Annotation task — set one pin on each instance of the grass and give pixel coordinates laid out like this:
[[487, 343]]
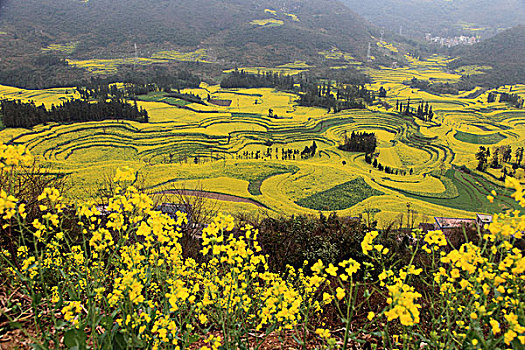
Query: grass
[[340, 197]]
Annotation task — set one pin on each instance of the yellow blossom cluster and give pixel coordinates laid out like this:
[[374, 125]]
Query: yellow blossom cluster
[[127, 266], [12, 156], [435, 240], [7, 205], [402, 301]]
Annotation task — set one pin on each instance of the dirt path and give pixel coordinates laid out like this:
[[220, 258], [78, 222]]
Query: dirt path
[[216, 196]]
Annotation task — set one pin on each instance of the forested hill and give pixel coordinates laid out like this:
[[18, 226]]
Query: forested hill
[[508, 47], [442, 17], [504, 52], [243, 32]]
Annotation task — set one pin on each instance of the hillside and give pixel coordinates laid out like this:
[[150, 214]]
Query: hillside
[[503, 52], [40, 34], [442, 17]]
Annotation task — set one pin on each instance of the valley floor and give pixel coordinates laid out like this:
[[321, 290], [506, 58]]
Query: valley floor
[[237, 151]]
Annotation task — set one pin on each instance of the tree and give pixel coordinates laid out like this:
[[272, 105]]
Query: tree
[[481, 156], [519, 156], [430, 114], [507, 153], [382, 92], [360, 142], [494, 164]]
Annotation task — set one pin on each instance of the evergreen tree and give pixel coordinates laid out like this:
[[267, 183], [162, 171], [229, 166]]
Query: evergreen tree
[[481, 156], [495, 160]]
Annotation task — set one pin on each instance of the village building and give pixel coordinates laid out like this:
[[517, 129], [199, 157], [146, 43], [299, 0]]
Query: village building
[[483, 220], [447, 224]]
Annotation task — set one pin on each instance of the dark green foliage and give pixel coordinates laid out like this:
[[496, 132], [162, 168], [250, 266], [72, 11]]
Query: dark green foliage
[[360, 142], [424, 110], [482, 156], [349, 75], [109, 29], [241, 79], [17, 114], [335, 99], [435, 88], [513, 99], [503, 52], [382, 92], [442, 18], [292, 240]]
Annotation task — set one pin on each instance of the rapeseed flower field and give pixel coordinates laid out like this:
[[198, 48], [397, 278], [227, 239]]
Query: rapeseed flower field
[[121, 280], [188, 144]]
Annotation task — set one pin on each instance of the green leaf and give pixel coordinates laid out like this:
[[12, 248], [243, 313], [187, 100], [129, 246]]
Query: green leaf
[[193, 338], [107, 322], [75, 339], [517, 345], [119, 342], [15, 325]]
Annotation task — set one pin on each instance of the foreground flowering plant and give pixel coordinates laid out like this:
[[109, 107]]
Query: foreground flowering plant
[[119, 279]]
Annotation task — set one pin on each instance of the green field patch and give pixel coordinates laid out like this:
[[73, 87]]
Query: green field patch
[[163, 99], [340, 197], [245, 115], [450, 192], [472, 192], [490, 139], [254, 187], [240, 93]]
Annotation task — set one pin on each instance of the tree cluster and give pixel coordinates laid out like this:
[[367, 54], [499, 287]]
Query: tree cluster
[[382, 92], [242, 79], [360, 142], [513, 99], [281, 153], [138, 83], [309, 152], [498, 158], [464, 84], [17, 114], [335, 99], [435, 88], [424, 110], [190, 97], [369, 159]]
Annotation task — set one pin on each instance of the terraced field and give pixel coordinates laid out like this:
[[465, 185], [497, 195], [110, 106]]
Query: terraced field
[[236, 151]]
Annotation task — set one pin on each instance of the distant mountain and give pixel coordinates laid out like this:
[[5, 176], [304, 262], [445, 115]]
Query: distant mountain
[[504, 52], [442, 17], [235, 32]]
